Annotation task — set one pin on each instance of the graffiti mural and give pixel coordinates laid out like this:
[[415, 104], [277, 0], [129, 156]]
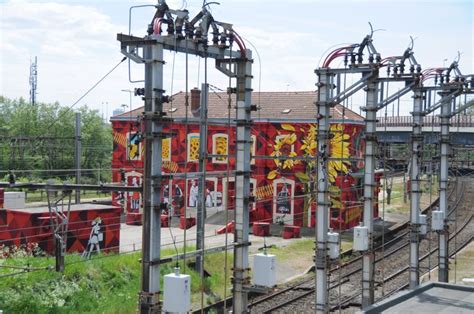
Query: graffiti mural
[[95, 238], [283, 186]]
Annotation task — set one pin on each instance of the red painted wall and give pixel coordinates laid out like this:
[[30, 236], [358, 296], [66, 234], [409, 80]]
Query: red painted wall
[[268, 175], [22, 227]]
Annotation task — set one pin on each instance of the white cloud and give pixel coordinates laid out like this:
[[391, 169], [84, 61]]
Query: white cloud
[[75, 45]]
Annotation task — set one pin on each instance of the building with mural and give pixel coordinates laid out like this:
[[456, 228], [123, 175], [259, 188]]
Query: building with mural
[[283, 126]]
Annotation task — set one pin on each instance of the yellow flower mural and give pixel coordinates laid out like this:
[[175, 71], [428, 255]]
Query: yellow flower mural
[[221, 148], [193, 147], [310, 144], [339, 148], [165, 146], [284, 147]]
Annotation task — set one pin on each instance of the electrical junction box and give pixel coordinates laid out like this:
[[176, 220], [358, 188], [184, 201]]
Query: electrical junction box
[[264, 270], [423, 226], [14, 200], [361, 238], [333, 245], [177, 293], [437, 220]]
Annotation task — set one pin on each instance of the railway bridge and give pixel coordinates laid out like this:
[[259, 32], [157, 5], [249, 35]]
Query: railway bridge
[[398, 129]]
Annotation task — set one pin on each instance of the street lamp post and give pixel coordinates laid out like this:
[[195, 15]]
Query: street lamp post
[[131, 93]]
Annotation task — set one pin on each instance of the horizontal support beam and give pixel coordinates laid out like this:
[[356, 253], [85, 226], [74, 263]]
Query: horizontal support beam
[[180, 45], [66, 187], [193, 254]]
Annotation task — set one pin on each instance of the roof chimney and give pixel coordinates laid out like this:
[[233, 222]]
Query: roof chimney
[[195, 101]]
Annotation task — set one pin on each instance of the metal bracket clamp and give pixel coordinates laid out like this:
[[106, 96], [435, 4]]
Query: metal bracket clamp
[[160, 135], [145, 298], [371, 137], [242, 173], [242, 245], [417, 137], [321, 258], [244, 141], [243, 122], [156, 116]]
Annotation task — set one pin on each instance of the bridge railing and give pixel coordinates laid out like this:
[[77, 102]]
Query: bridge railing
[[428, 121]]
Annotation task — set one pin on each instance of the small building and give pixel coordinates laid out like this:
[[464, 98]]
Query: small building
[[23, 225], [283, 125]]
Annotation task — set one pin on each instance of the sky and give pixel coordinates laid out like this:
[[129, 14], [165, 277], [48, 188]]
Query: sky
[[75, 42]]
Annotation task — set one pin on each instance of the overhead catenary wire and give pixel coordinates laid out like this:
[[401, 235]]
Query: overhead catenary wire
[[87, 92]]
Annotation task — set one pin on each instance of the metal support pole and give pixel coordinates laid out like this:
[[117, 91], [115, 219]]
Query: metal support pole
[[150, 294], [325, 89], [416, 157], [77, 155], [443, 186], [59, 252], [242, 184], [369, 190], [201, 203]]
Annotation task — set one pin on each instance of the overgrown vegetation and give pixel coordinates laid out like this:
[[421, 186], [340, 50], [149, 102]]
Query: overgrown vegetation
[[105, 284], [110, 283]]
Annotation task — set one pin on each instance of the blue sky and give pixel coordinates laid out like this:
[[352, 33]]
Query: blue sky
[[75, 42]]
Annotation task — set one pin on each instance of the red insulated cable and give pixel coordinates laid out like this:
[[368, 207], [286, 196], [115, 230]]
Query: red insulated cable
[[157, 26], [333, 57], [329, 56], [241, 44]]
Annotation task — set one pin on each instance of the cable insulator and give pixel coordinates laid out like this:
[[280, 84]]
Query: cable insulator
[[170, 28], [223, 39], [353, 58], [139, 92], [378, 58]]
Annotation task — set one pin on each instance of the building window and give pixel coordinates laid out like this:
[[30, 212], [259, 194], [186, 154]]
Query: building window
[[166, 149], [193, 147], [220, 146], [253, 149]]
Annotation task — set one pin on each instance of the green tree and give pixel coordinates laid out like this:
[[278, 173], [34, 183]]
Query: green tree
[[40, 137]]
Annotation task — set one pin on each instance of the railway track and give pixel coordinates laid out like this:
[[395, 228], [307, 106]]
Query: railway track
[[345, 279]]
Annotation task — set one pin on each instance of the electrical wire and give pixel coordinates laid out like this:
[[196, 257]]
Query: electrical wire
[[86, 93]]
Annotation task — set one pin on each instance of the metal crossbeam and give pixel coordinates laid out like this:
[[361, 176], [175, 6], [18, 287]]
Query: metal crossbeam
[[67, 186]]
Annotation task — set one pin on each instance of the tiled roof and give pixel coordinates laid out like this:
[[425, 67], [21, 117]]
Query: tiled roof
[[272, 104]]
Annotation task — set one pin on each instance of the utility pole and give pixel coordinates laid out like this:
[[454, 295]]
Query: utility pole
[[77, 155], [33, 81], [416, 157], [152, 179], [242, 183], [369, 189], [325, 89], [443, 186], [185, 35], [201, 203]]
